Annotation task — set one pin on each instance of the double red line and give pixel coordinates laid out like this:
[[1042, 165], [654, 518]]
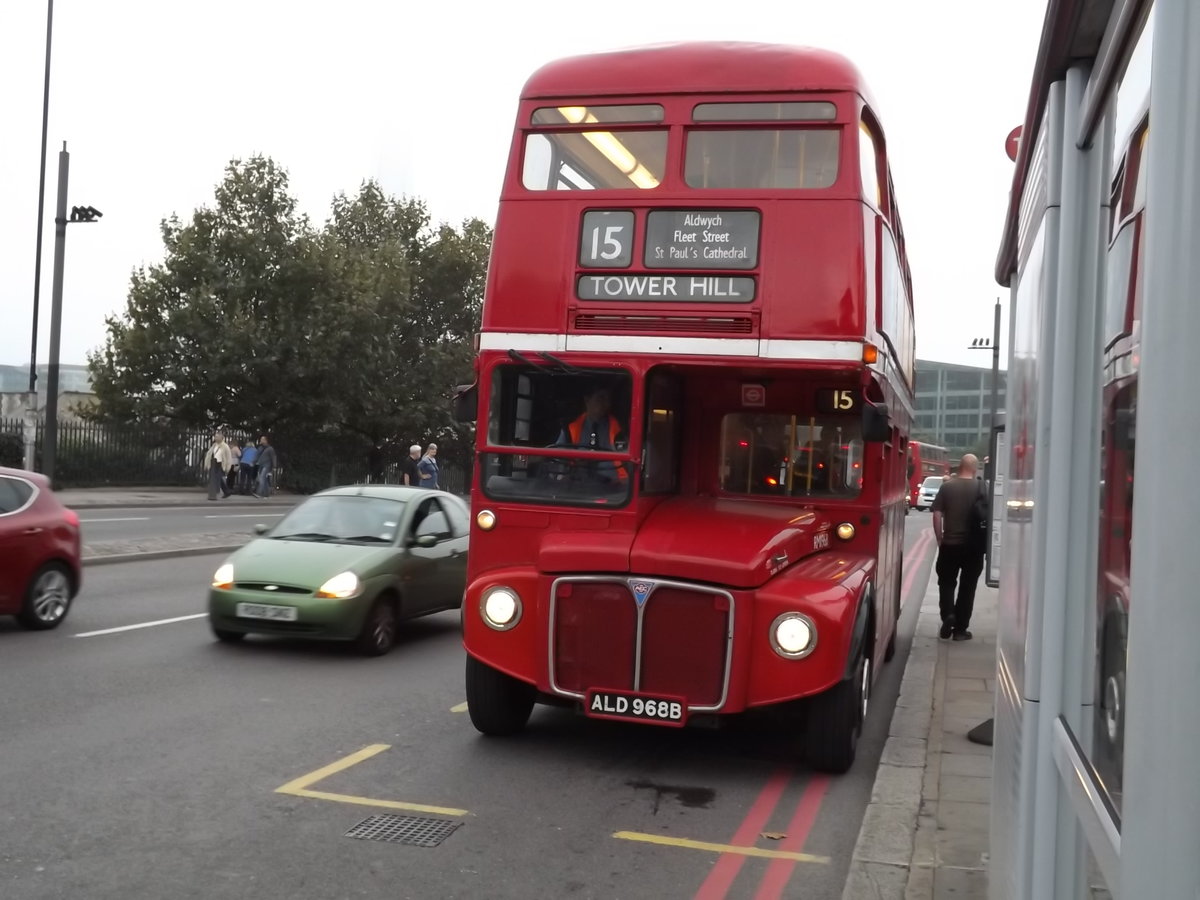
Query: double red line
[[729, 865]]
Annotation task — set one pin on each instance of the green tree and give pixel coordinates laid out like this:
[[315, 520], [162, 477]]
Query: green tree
[[257, 319]]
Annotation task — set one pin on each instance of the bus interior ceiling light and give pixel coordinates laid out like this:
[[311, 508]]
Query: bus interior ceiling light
[[608, 144], [793, 635], [501, 608]]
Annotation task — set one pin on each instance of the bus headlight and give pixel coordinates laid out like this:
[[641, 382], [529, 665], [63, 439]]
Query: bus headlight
[[500, 607], [845, 531], [793, 635]]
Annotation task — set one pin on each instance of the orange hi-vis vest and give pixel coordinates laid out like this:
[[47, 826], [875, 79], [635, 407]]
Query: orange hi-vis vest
[[575, 432]]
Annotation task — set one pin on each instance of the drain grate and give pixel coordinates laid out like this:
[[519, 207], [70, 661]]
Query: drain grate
[[412, 830]]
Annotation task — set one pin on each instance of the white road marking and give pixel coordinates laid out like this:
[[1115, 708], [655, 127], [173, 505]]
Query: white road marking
[[246, 516], [130, 519], [140, 625]]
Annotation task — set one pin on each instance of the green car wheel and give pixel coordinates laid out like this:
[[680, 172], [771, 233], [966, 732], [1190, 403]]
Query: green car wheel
[[378, 633]]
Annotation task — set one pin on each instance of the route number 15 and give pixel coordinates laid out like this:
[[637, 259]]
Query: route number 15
[[834, 400], [606, 239]]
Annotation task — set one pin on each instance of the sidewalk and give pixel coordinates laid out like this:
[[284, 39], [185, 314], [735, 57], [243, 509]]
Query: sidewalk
[[116, 498], [925, 832], [98, 553]]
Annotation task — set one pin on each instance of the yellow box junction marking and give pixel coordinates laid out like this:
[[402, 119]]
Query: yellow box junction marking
[[718, 848], [462, 707], [300, 787]]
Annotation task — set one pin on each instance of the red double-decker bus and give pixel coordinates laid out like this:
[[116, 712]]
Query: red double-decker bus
[[694, 396], [924, 460]]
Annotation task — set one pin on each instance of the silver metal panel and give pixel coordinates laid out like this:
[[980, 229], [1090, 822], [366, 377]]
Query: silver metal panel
[[1124, 25], [1161, 801], [1044, 347], [1090, 803]]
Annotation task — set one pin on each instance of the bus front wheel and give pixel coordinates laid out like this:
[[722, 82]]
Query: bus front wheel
[[497, 703], [835, 721]]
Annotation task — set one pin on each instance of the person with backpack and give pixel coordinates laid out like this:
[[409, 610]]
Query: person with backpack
[[960, 525]]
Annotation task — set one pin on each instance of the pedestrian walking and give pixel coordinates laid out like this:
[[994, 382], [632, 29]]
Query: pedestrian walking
[[231, 478], [248, 470], [266, 461], [960, 517], [427, 468], [408, 466], [217, 462]]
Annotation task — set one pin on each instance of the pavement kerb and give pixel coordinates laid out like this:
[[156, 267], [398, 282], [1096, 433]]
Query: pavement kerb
[[106, 559], [883, 856], [181, 503]]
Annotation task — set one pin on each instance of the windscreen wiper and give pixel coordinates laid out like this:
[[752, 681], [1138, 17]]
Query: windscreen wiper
[[514, 355], [566, 367], [304, 536]]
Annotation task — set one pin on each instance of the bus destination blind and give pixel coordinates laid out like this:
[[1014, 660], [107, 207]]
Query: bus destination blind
[[702, 239]]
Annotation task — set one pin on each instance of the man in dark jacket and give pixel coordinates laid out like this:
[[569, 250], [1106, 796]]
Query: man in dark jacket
[[266, 468], [959, 523]]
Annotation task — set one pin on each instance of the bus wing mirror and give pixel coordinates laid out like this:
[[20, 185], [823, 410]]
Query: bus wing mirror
[[466, 402], [875, 424]]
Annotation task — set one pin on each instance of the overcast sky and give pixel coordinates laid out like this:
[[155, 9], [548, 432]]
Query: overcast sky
[[154, 98]]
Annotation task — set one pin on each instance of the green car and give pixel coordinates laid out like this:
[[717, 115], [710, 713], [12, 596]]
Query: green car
[[347, 564]]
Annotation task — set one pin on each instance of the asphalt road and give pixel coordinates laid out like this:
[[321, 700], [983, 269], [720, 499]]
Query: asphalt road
[[147, 762], [236, 514]]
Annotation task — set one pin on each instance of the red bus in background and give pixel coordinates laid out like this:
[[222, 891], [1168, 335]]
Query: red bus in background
[[1122, 363], [693, 396], [924, 460]]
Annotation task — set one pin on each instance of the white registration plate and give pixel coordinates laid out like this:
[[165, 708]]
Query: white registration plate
[[266, 611]]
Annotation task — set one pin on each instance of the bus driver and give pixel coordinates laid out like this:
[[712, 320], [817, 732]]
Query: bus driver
[[596, 428]]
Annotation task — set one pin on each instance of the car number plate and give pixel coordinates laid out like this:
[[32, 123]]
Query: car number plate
[[266, 611], [637, 707]]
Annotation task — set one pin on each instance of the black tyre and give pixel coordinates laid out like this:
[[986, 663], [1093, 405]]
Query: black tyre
[[1112, 692], [47, 598], [835, 720], [225, 636], [378, 634], [498, 704]]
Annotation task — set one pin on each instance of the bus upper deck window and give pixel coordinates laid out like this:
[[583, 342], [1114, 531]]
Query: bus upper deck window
[[628, 114], [594, 160], [762, 158], [791, 111]]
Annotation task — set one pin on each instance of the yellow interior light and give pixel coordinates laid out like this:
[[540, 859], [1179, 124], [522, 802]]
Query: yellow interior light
[[608, 144]]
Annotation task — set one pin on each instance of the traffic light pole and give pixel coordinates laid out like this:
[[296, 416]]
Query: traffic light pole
[[50, 446], [996, 368]]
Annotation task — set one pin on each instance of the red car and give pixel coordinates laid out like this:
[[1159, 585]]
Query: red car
[[39, 551]]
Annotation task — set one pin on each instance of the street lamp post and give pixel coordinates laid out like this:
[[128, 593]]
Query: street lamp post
[[78, 214], [982, 733], [37, 263], [992, 344]]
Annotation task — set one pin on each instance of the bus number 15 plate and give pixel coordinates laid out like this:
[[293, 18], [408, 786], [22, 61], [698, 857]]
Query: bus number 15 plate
[[637, 707]]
